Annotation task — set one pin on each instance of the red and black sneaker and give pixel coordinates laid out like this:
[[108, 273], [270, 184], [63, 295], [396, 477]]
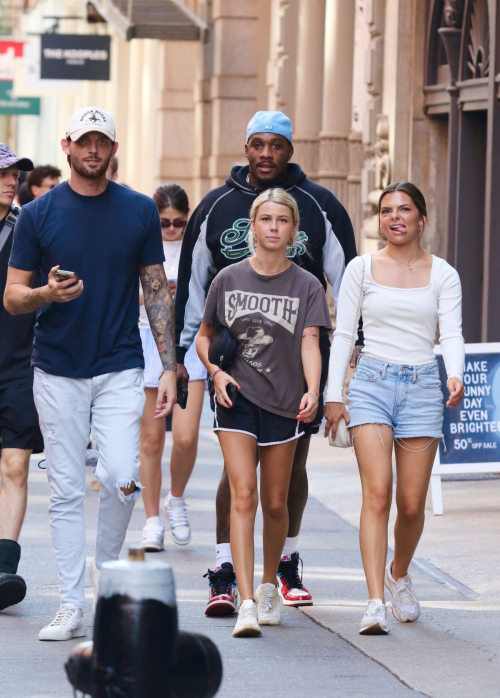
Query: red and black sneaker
[[291, 589], [223, 597]]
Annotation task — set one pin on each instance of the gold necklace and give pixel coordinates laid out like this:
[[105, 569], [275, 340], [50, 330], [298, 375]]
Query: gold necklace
[[171, 267], [405, 263]]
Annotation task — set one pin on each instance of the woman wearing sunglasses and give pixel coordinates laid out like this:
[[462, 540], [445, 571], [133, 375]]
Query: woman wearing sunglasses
[[173, 207]]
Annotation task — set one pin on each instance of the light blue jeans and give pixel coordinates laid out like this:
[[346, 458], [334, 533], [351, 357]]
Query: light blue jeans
[[66, 407], [407, 398]]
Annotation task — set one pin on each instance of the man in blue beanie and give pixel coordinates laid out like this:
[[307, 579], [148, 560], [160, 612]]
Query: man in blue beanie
[[216, 236]]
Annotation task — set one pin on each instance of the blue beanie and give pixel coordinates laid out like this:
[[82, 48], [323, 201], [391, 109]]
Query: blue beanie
[[270, 122]]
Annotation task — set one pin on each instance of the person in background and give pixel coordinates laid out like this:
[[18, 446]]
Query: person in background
[[42, 179], [20, 434], [395, 396], [112, 171], [173, 207]]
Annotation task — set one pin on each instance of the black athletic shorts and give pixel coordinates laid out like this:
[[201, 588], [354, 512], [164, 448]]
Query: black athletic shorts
[[19, 427], [246, 418]]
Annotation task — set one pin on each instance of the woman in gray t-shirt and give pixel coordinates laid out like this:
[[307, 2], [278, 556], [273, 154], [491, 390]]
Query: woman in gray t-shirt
[[274, 310]]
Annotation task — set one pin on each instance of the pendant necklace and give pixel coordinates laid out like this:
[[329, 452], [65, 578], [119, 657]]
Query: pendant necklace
[[410, 268], [171, 267]]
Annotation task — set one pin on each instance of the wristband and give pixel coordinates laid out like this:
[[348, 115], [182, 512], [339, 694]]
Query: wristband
[[217, 370]]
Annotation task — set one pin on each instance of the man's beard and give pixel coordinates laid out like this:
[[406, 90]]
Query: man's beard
[[87, 173], [269, 182]]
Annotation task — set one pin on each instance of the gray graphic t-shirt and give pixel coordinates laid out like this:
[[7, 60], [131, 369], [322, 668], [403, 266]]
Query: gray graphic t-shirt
[[267, 315]]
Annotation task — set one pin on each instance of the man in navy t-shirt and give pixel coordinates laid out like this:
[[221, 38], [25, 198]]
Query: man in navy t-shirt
[[91, 239]]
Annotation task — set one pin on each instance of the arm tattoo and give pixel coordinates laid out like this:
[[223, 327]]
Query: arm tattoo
[[32, 299], [160, 310]]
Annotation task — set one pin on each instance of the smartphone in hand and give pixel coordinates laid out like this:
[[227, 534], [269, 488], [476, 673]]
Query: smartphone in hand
[[232, 392], [182, 395], [63, 275]]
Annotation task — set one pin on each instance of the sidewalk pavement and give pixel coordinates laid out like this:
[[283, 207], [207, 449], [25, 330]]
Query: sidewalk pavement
[[317, 651]]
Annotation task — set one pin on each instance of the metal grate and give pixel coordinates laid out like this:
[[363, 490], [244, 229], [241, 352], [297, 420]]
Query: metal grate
[[152, 19]]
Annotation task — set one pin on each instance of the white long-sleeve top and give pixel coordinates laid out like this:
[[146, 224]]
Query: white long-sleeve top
[[399, 324]]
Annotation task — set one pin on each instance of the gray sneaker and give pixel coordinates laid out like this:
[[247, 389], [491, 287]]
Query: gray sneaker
[[180, 529], [374, 622], [405, 605]]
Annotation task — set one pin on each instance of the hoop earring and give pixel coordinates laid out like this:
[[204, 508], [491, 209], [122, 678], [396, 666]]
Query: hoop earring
[[291, 242]]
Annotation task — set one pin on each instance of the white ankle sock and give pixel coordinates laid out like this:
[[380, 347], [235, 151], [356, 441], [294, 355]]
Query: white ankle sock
[[379, 602], [290, 546], [248, 603], [153, 520], [171, 496], [222, 554]]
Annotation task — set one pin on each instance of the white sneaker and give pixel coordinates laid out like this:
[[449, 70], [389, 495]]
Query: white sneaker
[[247, 624], [374, 622], [67, 624], [152, 538], [180, 529], [95, 578], [405, 605], [268, 604]]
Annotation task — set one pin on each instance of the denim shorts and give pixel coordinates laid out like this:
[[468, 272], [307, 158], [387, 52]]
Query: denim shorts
[[407, 398]]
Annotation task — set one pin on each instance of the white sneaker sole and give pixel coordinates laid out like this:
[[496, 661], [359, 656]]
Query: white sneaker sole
[[153, 547], [247, 631], [78, 632], [296, 602], [375, 629], [180, 542]]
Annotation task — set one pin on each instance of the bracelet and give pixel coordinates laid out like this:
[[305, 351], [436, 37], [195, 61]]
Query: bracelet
[[314, 396], [217, 370]]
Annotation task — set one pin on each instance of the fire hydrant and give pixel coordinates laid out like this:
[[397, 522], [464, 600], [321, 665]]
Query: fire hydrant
[[138, 651]]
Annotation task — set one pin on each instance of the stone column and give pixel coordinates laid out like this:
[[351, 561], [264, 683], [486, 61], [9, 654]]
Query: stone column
[[203, 108], [233, 84], [337, 97], [309, 90], [176, 114]]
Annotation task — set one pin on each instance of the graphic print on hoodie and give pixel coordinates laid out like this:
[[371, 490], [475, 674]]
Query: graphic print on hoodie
[[217, 236]]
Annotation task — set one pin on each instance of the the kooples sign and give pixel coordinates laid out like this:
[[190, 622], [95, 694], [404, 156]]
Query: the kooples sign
[[75, 57]]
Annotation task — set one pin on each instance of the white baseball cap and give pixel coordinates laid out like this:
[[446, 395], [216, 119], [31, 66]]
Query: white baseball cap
[[91, 119]]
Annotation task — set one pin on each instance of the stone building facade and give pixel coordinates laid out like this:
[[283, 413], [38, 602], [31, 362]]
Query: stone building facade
[[377, 90]]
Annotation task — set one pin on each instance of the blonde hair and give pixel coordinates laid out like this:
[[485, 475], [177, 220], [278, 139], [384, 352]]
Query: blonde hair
[[277, 196]]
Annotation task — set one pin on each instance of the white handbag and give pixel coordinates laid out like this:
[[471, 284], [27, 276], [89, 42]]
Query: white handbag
[[343, 438]]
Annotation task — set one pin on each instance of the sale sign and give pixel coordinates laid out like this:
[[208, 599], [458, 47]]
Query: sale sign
[[472, 430]]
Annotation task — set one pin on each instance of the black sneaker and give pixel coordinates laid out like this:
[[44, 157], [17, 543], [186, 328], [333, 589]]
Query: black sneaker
[[12, 585], [290, 586], [223, 594]]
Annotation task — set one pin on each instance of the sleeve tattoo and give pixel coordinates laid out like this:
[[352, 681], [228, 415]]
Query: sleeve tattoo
[[160, 310]]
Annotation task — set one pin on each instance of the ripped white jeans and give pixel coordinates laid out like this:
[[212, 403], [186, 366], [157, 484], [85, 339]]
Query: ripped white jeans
[[113, 403]]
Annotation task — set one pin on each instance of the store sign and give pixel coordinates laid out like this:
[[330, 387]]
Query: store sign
[[472, 430], [11, 105], [75, 57], [9, 51]]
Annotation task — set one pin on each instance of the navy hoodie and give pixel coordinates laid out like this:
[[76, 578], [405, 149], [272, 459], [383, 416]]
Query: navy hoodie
[[217, 235]]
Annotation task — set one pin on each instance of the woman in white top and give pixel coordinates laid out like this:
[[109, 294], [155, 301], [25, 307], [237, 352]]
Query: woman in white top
[[173, 207], [395, 395]]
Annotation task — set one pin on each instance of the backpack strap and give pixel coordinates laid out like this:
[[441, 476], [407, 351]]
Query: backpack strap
[[8, 226]]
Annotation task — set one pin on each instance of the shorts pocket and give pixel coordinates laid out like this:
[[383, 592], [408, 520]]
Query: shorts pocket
[[430, 381], [366, 374]]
